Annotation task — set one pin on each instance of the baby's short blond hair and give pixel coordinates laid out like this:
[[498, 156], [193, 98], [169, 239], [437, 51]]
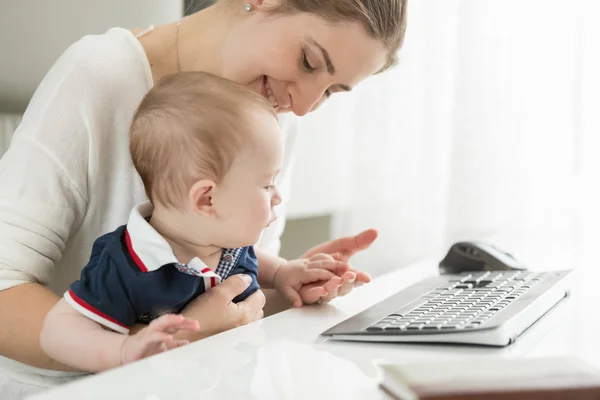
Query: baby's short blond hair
[[190, 127]]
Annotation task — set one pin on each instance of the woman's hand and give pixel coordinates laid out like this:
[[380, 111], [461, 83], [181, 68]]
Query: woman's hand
[[341, 249], [215, 311]]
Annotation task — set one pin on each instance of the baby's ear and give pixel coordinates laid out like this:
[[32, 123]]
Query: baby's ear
[[201, 197]]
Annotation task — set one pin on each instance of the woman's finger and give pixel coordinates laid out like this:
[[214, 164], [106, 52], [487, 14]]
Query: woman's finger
[[345, 246], [256, 301], [365, 239], [362, 277], [349, 277], [345, 289], [332, 288], [313, 294]]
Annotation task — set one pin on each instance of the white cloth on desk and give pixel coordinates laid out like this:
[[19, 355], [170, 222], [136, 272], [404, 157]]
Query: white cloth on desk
[[67, 177]]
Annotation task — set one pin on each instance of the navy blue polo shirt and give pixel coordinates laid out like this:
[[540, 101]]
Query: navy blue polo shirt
[[134, 276]]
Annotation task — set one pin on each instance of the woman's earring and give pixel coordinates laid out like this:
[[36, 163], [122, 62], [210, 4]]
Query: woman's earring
[[248, 7]]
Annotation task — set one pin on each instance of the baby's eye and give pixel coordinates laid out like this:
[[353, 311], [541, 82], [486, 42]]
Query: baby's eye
[[268, 188]]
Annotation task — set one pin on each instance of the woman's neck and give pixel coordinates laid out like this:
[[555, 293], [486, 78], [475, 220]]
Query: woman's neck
[[174, 227], [194, 45]]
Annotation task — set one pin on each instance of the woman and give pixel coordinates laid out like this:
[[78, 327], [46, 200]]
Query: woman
[[67, 177]]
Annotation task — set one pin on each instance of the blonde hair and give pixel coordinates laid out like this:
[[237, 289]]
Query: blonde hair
[[189, 127], [384, 20]]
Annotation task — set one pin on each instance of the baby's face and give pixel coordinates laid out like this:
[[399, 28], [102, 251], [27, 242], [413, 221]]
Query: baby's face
[[246, 199]]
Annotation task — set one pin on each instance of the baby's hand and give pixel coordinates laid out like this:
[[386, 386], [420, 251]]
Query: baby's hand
[[340, 285], [294, 275], [157, 337]]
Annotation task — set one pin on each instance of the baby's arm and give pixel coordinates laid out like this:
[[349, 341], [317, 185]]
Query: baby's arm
[[268, 265], [75, 340]]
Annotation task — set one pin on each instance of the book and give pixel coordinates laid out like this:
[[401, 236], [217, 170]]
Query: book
[[492, 379]]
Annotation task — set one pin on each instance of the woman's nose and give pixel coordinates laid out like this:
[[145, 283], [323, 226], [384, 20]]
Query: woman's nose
[[307, 99]]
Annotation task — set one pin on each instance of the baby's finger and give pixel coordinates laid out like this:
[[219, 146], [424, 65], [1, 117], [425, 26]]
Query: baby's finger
[[259, 315], [162, 323], [292, 296], [155, 338], [337, 267], [314, 275], [321, 256], [185, 325], [175, 343]]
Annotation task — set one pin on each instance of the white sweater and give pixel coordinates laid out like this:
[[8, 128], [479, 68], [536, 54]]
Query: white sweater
[[67, 177]]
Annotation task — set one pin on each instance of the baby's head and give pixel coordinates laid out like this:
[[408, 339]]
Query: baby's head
[[209, 149]]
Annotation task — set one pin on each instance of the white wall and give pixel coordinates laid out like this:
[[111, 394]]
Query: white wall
[[33, 33]]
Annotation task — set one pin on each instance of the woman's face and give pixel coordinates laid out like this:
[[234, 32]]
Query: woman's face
[[298, 61]]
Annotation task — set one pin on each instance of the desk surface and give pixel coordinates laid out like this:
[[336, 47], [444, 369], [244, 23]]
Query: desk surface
[[282, 357]]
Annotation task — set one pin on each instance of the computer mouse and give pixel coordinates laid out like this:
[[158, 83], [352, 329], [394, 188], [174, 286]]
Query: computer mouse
[[477, 256]]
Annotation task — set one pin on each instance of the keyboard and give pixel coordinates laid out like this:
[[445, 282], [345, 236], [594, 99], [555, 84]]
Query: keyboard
[[484, 308]]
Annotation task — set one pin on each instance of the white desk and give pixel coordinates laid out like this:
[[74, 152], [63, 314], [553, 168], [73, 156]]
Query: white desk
[[281, 357]]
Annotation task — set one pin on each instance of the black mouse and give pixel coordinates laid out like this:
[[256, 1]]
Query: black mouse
[[477, 256]]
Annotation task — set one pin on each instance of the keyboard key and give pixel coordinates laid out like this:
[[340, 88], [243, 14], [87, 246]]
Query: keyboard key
[[421, 322], [395, 328], [464, 286], [413, 328], [377, 327], [452, 326], [430, 328]]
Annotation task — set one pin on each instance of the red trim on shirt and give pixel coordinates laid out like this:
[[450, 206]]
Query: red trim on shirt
[[213, 281], [93, 310], [133, 254], [205, 270]]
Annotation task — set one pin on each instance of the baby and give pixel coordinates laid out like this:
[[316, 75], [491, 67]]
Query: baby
[[208, 151]]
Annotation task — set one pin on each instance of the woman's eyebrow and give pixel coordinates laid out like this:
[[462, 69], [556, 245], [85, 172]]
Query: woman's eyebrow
[[330, 67]]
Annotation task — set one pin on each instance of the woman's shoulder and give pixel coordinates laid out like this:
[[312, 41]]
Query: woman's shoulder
[[112, 58], [95, 76]]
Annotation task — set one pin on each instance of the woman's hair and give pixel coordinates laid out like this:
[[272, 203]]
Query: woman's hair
[[384, 20], [190, 126]]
